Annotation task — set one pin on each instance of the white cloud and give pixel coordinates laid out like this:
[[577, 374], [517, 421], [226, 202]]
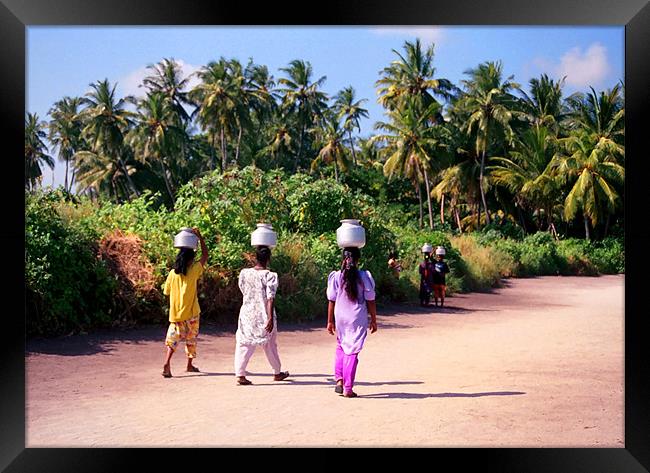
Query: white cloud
[[582, 69], [130, 84], [428, 34]]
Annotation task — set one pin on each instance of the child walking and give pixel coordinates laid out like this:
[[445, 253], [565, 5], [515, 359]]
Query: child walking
[[440, 269], [258, 322], [184, 310], [351, 296]]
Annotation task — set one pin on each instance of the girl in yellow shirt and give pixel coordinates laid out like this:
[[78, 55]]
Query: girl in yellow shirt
[[184, 310]]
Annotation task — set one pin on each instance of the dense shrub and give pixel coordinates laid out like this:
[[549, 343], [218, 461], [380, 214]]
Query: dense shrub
[[67, 287], [70, 288]]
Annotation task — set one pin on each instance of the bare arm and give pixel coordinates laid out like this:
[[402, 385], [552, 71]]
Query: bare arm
[[269, 314], [204, 249], [330, 317], [372, 310]]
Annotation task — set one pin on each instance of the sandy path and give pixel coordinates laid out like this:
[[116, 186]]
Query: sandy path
[[537, 363]]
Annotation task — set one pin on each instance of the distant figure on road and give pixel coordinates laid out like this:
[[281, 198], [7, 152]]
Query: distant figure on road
[[184, 310], [258, 324], [426, 275], [351, 296], [394, 264], [440, 269]]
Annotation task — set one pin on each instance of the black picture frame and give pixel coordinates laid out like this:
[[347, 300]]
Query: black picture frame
[[16, 15]]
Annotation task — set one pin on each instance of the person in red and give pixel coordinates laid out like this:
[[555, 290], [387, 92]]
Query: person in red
[[440, 268], [426, 275]]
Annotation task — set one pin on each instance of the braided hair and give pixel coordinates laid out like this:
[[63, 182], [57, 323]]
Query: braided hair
[[183, 260], [350, 272]]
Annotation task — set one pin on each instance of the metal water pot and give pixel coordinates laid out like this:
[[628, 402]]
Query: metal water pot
[[264, 236], [351, 234], [186, 239]]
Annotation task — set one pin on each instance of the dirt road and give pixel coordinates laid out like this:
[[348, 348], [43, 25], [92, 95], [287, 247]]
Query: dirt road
[[537, 363]]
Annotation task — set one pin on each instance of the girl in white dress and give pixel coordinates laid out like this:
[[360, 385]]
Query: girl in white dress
[[257, 317]]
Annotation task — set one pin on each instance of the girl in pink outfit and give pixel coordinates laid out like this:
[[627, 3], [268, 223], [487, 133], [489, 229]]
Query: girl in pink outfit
[[351, 295]]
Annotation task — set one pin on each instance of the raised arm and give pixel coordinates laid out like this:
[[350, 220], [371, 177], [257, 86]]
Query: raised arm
[[204, 249]]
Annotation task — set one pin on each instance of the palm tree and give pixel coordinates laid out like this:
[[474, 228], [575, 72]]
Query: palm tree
[[544, 105], [412, 76], [302, 99], [106, 121], [332, 149], [217, 99], [526, 173], [99, 174], [409, 144], [487, 97], [601, 115], [350, 112], [590, 165], [166, 78], [157, 137], [65, 131], [35, 150]]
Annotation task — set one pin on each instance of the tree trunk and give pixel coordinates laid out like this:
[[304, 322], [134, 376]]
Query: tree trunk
[[224, 158], [480, 183], [521, 218], [426, 183], [420, 200], [128, 178], [354, 155], [72, 179], [299, 155], [166, 179], [587, 234], [336, 170], [212, 150], [457, 215], [606, 226], [238, 144], [66, 175], [478, 212], [442, 209]]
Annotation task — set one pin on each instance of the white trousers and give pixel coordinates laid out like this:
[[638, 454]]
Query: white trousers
[[243, 355]]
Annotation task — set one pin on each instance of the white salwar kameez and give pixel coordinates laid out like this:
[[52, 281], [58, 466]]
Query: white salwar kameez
[[257, 287]]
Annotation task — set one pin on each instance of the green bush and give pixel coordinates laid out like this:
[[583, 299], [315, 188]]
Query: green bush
[[67, 288]]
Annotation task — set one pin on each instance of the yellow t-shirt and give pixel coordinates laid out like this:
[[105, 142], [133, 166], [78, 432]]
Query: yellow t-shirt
[[183, 294]]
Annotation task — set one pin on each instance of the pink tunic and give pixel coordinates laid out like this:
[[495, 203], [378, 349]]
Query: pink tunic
[[351, 317]]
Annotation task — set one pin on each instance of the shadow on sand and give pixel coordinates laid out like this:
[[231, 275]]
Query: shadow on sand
[[428, 395]]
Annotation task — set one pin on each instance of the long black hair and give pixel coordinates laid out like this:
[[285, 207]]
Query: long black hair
[[350, 272], [263, 254], [183, 260]]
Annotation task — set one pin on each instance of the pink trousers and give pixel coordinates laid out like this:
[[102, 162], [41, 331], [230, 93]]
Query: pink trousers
[[345, 367]]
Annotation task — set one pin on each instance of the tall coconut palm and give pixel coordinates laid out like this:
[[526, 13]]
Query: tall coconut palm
[[526, 173], [105, 123], [350, 111], [601, 115], [591, 166], [166, 77], [65, 131], [35, 150], [488, 98], [216, 98], [412, 76], [332, 149], [301, 99], [99, 174], [156, 136], [409, 144], [544, 105]]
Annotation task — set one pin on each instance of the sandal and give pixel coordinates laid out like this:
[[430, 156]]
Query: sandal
[[244, 382], [338, 389], [193, 369], [281, 375], [167, 374], [350, 394]]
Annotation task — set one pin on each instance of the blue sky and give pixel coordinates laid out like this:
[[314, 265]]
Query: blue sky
[[65, 60]]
